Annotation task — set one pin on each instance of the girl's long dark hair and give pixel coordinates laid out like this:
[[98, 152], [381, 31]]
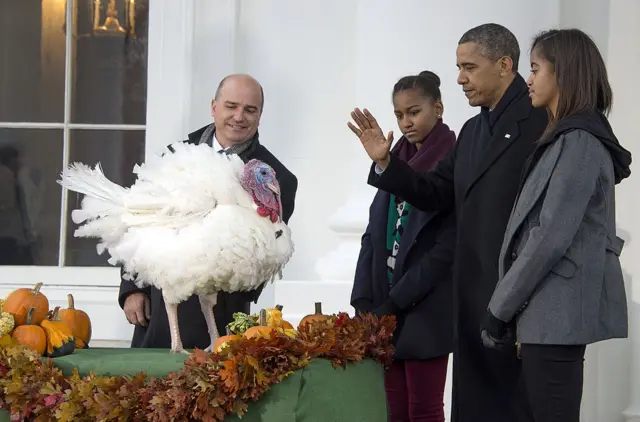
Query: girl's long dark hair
[[580, 72]]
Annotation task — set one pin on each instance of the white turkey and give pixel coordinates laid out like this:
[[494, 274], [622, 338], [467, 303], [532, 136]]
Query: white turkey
[[194, 222]]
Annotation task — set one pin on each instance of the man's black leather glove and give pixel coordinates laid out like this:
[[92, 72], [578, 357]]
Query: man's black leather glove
[[496, 334]]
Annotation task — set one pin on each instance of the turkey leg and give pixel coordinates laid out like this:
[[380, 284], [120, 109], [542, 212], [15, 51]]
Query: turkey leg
[[174, 329], [207, 302]]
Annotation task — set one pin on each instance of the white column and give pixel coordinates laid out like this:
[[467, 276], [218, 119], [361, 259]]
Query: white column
[[624, 24], [214, 44], [170, 58], [337, 268]]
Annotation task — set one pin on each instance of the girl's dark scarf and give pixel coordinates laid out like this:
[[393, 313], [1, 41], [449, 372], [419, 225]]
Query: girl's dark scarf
[[434, 148]]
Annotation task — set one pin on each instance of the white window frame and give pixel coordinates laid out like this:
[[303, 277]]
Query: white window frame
[[169, 67]]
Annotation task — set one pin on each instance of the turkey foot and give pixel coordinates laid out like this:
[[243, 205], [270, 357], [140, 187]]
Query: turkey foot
[[207, 302], [174, 329]]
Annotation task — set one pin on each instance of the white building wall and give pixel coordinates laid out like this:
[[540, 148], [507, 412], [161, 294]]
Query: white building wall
[[618, 385], [316, 61]]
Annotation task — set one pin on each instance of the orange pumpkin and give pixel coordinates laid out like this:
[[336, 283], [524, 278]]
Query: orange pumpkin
[[312, 318], [60, 340], [260, 330], [21, 300], [224, 341], [78, 321], [30, 335]]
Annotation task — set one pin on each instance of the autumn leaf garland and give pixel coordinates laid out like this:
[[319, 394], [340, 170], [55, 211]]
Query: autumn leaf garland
[[209, 386]]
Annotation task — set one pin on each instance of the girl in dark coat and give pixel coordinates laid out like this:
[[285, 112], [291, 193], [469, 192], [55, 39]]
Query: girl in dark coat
[[405, 263]]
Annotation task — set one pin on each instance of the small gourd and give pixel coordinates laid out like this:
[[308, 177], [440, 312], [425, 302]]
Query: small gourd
[[287, 325], [78, 321], [7, 322], [30, 335], [275, 320], [21, 300], [261, 330], [313, 318], [60, 340]]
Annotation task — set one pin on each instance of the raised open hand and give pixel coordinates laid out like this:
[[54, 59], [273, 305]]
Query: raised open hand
[[371, 136]]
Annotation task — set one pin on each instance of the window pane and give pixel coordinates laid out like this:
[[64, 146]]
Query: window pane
[[110, 66], [30, 163], [32, 55], [117, 152]]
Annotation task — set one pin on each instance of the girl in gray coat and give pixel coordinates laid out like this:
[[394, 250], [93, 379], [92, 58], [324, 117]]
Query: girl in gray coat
[[561, 285]]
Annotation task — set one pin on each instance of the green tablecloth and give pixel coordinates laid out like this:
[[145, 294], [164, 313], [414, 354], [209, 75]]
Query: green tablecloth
[[317, 393]]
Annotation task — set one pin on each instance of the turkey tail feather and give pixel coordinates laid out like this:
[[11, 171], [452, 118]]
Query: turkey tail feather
[[103, 197]]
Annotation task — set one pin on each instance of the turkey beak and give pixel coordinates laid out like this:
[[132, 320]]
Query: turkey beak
[[273, 188]]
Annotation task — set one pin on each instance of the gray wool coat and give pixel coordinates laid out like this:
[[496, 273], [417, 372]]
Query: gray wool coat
[[559, 268]]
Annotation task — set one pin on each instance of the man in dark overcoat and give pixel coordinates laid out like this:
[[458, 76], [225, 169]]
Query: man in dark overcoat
[[236, 111], [479, 180]]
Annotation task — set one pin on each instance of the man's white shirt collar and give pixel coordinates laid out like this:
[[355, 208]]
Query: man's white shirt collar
[[216, 145]]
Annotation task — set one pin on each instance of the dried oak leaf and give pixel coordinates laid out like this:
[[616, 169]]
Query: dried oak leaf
[[319, 336], [379, 334], [350, 343], [21, 385]]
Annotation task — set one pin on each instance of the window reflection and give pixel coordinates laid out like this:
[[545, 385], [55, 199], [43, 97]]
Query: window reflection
[[117, 152], [109, 72], [32, 56], [107, 87], [110, 69], [30, 162]]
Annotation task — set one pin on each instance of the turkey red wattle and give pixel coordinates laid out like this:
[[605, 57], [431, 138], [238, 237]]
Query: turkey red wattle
[[263, 211]]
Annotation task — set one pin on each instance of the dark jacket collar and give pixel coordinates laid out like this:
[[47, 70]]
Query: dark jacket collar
[[195, 136], [513, 92]]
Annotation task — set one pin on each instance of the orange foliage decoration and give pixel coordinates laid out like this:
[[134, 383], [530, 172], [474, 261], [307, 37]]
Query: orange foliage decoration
[[207, 388]]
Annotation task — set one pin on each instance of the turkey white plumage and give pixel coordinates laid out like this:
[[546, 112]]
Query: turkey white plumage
[[194, 222]]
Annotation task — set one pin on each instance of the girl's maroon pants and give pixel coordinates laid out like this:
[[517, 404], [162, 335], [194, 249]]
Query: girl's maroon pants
[[415, 390]]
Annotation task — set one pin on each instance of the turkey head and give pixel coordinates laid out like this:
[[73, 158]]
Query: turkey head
[[259, 179]]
